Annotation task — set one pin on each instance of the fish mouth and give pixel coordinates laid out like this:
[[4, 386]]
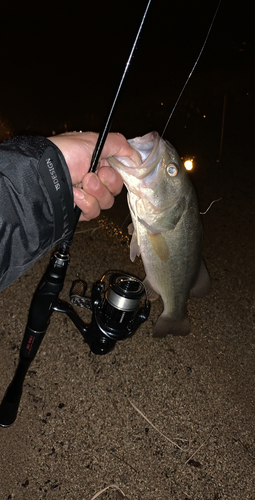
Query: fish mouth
[[148, 149], [146, 156], [144, 145]]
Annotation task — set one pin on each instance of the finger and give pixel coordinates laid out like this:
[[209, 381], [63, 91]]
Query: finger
[[77, 149], [111, 179], [116, 145], [88, 204], [93, 186]]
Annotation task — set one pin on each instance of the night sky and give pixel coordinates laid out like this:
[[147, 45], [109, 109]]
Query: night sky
[[60, 66]]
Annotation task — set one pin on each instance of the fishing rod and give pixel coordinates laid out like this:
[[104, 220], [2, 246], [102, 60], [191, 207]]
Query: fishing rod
[[116, 313], [109, 117]]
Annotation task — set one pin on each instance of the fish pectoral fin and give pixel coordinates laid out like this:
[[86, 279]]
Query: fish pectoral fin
[[159, 246], [203, 283], [134, 247], [168, 326], [151, 294]]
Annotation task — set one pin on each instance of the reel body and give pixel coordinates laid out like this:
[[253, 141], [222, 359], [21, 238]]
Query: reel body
[[116, 312]]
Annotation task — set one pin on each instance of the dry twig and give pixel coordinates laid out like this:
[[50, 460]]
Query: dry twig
[[154, 427], [107, 488], [195, 452]]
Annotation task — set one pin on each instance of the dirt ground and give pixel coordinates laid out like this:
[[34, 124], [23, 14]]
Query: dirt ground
[[168, 419]]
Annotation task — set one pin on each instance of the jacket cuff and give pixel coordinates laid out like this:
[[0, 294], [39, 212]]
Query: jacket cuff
[[53, 176], [54, 172]]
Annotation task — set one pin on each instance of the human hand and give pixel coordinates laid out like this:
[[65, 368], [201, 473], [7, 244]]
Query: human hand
[[92, 192]]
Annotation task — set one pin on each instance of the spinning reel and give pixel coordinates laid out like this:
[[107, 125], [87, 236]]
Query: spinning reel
[[116, 312]]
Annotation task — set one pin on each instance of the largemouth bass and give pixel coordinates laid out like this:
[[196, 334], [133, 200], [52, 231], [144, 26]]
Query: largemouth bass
[[166, 229]]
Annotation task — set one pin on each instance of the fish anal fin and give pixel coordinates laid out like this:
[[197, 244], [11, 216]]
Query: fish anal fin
[[151, 294], [167, 326], [202, 285], [159, 246]]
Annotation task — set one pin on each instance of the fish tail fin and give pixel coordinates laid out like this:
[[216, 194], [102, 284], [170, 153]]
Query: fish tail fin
[[168, 326], [202, 285]]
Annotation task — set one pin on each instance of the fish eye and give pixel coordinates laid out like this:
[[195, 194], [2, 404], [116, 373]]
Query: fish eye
[[172, 170]]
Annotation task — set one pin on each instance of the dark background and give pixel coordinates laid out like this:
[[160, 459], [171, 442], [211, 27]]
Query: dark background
[[76, 431], [61, 64]]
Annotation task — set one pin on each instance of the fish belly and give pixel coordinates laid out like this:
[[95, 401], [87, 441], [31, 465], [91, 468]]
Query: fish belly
[[172, 261]]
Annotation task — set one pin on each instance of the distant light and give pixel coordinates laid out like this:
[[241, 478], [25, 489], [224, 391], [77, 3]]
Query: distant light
[[161, 103], [188, 164], [204, 116]]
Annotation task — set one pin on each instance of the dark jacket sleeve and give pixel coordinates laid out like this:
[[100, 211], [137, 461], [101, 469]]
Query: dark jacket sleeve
[[36, 203]]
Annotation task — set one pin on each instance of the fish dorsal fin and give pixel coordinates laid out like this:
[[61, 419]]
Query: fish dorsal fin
[[159, 246]]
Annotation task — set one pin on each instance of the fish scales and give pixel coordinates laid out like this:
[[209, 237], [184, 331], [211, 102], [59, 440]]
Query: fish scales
[[166, 228]]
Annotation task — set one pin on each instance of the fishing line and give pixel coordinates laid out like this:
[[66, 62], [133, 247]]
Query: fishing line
[[125, 220], [192, 70], [214, 201]]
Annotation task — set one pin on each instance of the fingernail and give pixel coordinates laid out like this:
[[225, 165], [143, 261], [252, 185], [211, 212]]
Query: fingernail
[[78, 193], [108, 175], [111, 176], [93, 182]]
